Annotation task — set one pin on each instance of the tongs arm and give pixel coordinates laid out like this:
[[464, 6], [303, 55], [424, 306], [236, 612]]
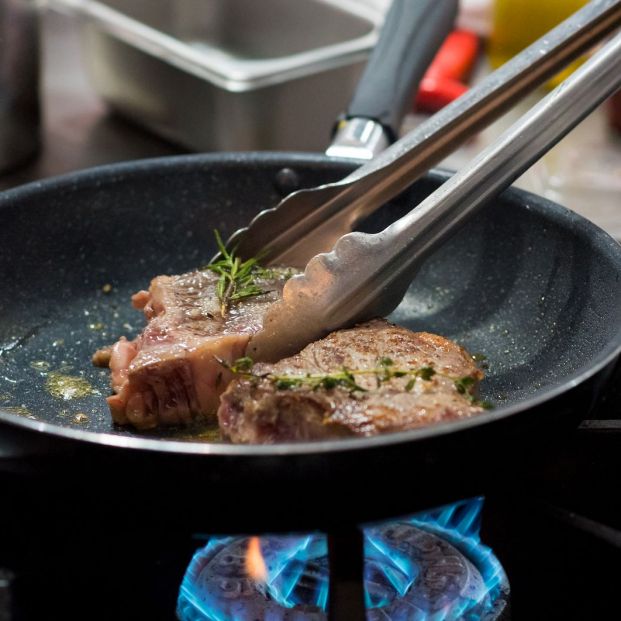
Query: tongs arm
[[367, 275], [310, 221]]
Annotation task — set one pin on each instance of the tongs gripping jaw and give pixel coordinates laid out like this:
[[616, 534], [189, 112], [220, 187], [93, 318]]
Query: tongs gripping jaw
[[366, 276]]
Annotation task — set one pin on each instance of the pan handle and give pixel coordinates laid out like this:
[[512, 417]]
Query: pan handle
[[412, 33]]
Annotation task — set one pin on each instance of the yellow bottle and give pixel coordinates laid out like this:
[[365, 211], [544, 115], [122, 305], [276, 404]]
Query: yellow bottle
[[517, 23]]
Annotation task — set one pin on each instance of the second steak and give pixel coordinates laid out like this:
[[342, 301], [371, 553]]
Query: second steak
[[398, 379]]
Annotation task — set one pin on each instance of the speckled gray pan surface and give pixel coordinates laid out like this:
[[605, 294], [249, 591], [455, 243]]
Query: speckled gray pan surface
[[528, 284]]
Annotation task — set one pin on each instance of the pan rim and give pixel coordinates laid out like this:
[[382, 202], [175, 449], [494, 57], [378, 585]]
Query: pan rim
[[165, 446], [114, 172]]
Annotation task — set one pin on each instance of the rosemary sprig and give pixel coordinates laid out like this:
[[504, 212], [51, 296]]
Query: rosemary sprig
[[346, 378], [237, 278]]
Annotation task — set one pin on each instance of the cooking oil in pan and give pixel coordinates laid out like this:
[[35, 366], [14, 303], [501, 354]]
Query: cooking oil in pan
[[68, 387]]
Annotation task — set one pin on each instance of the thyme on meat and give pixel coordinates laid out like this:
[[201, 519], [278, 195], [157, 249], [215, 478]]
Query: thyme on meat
[[464, 387], [346, 378], [237, 278], [343, 378], [481, 361]]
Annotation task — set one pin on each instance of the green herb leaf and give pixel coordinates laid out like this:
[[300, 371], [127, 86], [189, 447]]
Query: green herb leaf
[[242, 365], [286, 384], [328, 382], [426, 373], [464, 386], [346, 378], [237, 278]]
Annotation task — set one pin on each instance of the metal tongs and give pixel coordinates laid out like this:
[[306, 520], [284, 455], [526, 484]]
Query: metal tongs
[[367, 275]]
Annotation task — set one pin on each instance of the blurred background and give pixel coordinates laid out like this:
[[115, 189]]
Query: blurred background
[[90, 82], [87, 82]]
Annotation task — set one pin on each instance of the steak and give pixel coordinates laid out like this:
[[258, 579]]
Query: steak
[[170, 375], [394, 379]]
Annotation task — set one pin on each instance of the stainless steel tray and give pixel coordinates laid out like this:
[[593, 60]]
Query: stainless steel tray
[[228, 74]]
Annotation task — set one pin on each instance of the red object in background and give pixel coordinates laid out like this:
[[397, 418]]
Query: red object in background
[[443, 81], [614, 111]]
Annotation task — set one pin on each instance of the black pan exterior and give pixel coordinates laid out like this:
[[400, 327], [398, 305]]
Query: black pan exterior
[[529, 284]]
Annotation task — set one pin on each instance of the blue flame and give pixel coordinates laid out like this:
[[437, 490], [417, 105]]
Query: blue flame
[[286, 569], [460, 523], [398, 570], [297, 572]]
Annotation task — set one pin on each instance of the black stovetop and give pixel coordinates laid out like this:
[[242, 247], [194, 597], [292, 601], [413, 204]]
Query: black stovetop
[[557, 533]]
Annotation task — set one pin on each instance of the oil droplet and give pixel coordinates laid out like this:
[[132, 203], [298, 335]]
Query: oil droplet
[[200, 434], [67, 387], [107, 288], [80, 418], [20, 410], [40, 365]]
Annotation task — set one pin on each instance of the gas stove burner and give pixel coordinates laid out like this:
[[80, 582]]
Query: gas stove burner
[[422, 568], [444, 583]]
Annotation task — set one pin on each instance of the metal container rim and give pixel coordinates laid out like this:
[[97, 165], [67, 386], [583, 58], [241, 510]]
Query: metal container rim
[[223, 71]]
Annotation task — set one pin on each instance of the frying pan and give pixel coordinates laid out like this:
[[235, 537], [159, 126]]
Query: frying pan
[[529, 284]]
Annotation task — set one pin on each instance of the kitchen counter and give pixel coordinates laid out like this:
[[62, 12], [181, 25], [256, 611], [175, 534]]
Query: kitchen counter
[[583, 172]]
